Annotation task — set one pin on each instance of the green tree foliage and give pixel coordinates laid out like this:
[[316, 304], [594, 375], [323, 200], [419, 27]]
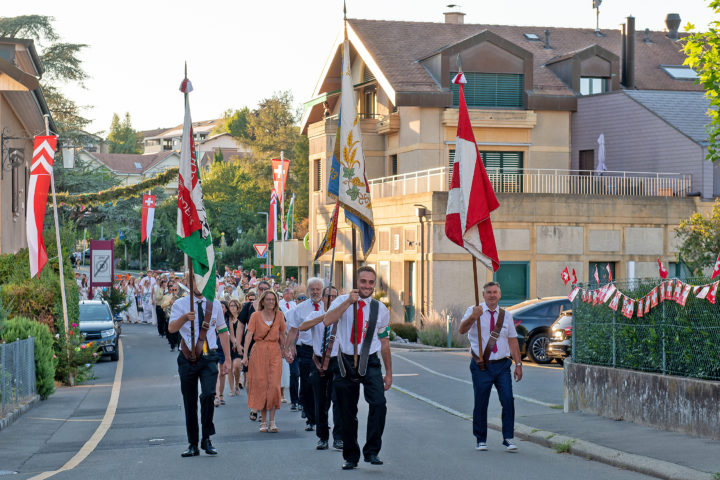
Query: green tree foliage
[[235, 122], [700, 239], [703, 55], [22, 328], [122, 137], [62, 65]]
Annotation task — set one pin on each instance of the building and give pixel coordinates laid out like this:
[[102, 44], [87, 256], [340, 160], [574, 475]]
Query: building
[[533, 93], [22, 111], [133, 168], [159, 140]]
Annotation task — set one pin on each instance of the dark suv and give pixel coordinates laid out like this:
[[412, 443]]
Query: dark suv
[[536, 316], [96, 322]]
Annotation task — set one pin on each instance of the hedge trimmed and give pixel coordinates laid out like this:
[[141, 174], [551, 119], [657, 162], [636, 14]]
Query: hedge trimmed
[[22, 328], [408, 331]]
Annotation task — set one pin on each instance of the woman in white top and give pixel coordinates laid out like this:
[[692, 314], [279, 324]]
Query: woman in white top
[[131, 292]]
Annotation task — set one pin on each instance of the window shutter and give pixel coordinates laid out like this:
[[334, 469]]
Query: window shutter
[[318, 174], [451, 163], [490, 89]]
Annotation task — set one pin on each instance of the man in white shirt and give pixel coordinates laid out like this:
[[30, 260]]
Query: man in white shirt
[[495, 369], [203, 368], [347, 386], [287, 303], [302, 350], [322, 379]]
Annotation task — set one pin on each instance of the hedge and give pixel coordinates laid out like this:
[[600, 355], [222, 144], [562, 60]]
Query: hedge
[[22, 328], [408, 331]]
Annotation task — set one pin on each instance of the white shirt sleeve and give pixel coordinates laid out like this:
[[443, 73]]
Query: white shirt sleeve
[[510, 322], [468, 312]]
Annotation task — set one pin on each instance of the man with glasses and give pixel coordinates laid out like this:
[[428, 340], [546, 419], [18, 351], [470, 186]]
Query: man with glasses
[[325, 352]]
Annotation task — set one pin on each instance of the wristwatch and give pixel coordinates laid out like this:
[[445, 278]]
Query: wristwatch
[[518, 364]]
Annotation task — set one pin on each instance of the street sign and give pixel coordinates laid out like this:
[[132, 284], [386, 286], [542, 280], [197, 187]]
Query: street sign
[[102, 263], [121, 235], [265, 265], [261, 249]]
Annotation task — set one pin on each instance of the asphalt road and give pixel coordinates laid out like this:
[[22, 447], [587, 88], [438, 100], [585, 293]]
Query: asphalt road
[[147, 432]]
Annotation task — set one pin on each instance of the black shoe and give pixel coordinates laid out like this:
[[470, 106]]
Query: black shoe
[[322, 445], [373, 459], [309, 427], [293, 407], [338, 445], [302, 413], [172, 349], [208, 447], [191, 451], [347, 465]]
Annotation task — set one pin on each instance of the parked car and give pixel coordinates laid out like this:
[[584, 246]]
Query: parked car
[[536, 316], [97, 323], [559, 347]]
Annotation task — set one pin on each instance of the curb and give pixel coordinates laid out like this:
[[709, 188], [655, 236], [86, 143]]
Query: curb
[[10, 418], [581, 448]]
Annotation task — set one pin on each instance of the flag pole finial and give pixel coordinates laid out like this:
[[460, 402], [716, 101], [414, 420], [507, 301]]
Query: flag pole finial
[[459, 63]]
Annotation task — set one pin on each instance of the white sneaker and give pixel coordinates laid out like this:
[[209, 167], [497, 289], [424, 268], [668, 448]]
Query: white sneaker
[[509, 445], [482, 446]]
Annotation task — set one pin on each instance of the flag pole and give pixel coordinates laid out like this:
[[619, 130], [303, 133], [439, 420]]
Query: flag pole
[[355, 286], [475, 278], [282, 212]]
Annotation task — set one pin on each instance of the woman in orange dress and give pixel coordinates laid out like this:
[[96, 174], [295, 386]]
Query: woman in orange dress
[[267, 328]]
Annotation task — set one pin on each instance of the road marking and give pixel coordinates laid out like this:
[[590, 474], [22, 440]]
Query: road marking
[[435, 404], [405, 374], [67, 419], [101, 430], [94, 385], [468, 382]]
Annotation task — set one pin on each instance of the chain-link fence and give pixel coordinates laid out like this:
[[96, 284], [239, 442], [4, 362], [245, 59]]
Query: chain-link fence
[[670, 338], [17, 373]]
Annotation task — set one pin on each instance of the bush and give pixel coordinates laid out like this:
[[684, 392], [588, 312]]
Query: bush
[[22, 328], [116, 299], [408, 331], [78, 367], [434, 330]]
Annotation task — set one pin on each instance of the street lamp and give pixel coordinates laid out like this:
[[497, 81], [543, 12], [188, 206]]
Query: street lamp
[[267, 224]]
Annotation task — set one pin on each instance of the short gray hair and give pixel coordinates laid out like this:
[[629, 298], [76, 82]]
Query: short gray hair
[[312, 280]]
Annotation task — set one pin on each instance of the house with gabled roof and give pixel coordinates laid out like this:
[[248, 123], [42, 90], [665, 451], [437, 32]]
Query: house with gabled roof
[[533, 93], [133, 168]]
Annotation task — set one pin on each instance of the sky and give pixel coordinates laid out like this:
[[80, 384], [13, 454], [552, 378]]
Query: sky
[[240, 52]]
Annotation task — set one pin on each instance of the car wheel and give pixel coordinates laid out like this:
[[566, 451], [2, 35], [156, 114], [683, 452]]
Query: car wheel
[[114, 356], [537, 351], [560, 361]]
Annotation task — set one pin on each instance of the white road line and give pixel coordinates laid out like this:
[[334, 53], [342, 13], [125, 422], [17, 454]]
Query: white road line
[[102, 429], [405, 374], [468, 382], [439, 406]]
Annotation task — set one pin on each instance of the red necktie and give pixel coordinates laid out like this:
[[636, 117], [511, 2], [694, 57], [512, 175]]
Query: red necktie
[[317, 307], [359, 325], [492, 327], [287, 305]]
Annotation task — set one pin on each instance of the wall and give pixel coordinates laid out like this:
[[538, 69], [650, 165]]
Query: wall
[[661, 401]]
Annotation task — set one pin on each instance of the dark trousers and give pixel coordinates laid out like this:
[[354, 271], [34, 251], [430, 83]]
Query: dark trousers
[[304, 354], [348, 395], [161, 320], [497, 374], [294, 381], [324, 393], [173, 339], [205, 371]]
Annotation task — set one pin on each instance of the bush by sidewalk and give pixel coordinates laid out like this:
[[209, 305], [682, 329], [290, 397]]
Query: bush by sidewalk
[[22, 328], [434, 329], [408, 331]]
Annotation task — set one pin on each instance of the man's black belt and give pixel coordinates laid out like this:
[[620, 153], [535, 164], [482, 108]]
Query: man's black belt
[[498, 361]]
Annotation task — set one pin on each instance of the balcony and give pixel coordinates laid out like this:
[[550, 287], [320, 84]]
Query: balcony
[[553, 181]]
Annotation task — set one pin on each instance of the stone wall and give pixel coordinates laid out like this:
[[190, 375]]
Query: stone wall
[[667, 402]]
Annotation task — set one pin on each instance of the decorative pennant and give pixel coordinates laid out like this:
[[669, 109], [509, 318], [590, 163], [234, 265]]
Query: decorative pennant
[[608, 293], [573, 294], [677, 292], [713, 293], [654, 297], [628, 307], [640, 307], [584, 296], [595, 297], [682, 298], [647, 303], [704, 290], [615, 301]]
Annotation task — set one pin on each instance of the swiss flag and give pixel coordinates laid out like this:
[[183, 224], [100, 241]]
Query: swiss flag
[[716, 270], [148, 216], [712, 294], [471, 197], [607, 267], [574, 277], [662, 269], [597, 277], [565, 275], [280, 174]]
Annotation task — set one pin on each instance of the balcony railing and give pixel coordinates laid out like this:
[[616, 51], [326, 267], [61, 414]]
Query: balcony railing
[[555, 181]]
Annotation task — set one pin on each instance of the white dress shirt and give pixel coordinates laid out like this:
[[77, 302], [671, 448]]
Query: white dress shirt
[[285, 307], [345, 325], [217, 320], [318, 335], [507, 331], [296, 316]]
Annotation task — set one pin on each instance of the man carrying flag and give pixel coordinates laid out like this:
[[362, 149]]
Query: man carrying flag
[[470, 200], [200, 331]]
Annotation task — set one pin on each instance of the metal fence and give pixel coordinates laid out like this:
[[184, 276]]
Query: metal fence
[[17, 373], [670, 339]]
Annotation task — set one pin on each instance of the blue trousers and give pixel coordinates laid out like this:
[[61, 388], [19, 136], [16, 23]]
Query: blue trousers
[[294, 381], [497, 374]]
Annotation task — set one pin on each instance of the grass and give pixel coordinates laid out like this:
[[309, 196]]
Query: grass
[[534, 430], [557, 407], [564, 447], [550, 436], [434, 328], [716, 476]]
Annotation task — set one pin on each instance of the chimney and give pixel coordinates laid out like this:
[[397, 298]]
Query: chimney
[[672, 21], [623, 57], [547, 40], [629, 62], [454, 18]]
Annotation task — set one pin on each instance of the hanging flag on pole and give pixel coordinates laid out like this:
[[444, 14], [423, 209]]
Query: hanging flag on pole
[[272, 218], [565, 275], [280, 173], [471, 197], [289, 219], [148, 216], [574, 277], [597, 277], [38, 186], [607, 267], [347, 181], [193, 231], [661, 268], [328, 243]]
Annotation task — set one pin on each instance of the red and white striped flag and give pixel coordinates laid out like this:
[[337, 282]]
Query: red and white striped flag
[[716, 270], [597, 277], [148, 216], [272, 218], [471, 197], [40, 178], [607, 267]]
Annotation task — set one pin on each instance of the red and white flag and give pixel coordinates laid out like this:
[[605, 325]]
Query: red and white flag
[[148, 216], [597, 277], [607, 267], [471, 197], [565, 275], [574, 277], [573, 294], [712, 295], [662, 269], [40, 178], [716, 270], [272, 218], [280, 174], [703, 293]]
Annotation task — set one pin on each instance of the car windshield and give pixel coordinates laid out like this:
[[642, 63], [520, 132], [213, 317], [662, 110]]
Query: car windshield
[[94, 313]]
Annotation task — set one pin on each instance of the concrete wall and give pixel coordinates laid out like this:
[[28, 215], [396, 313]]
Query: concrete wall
[[662, 401]]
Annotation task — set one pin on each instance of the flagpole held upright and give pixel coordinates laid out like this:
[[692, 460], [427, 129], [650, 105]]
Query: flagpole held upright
[[355, 333], [282, 215]]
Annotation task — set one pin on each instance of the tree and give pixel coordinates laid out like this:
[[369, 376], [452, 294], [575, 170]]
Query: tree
[[700, 237], [122, 137], [235, 122], [703, 55], [273, 126]]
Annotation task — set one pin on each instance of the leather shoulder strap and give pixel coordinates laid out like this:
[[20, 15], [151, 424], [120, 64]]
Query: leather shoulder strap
[[494, 335], [369, 333], [204, 327]]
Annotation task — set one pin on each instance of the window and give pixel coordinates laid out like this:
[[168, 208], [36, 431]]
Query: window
[[602, 273], [504, 170], [369, 102], [680, 72], [451, 163], [532, 37], [383, 273], [15, 191], [393, 165], [586, 161], [679, 270], [513, 280], [593, 85], [491, 89], [317, 170]]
